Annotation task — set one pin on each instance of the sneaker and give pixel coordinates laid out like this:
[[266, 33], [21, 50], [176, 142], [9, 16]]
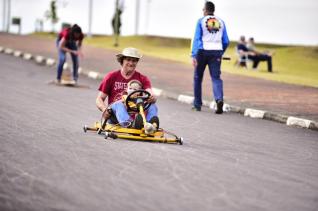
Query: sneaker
[[150, 128], [196, 108], [138, 122], [155, 122], [219, 107], [57, 81], [74, 82]]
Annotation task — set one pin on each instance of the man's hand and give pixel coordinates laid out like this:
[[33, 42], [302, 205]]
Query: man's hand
[[73, 52], [152, 99], [106, 114], [78, 53], [100, 104], [194, 62]]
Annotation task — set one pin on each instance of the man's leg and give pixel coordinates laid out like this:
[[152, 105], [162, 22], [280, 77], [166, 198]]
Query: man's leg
[[268, 59], [74, 60], [215, 73], [269, 64], [75, 66], [151, 112], [255, 60], [62, 58], [121, 113], [197, 80]]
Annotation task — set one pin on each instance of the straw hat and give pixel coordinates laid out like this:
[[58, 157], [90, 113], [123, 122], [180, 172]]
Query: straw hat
[[130, 52]]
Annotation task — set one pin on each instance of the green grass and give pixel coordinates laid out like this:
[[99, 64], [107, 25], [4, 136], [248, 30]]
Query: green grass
[[292, 64]]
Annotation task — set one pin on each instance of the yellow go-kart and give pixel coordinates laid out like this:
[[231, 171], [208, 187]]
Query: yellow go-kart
[[135, 102]]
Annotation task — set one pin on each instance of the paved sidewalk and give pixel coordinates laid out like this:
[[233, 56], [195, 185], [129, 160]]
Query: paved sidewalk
[[174, 77]]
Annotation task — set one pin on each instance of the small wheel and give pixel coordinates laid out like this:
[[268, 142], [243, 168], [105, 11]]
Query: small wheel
[[106, 135], [99, 131], [112, 135], [85, 128], [180, 141]]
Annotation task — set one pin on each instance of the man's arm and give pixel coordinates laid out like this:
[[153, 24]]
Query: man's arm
[[196, 42], [63, 47], [152, 98], [79, 51], [100, 103], [242, 50], [225, 39]]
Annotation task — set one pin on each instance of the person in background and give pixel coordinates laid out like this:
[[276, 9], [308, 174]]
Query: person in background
[[258, 56], [69, 41], [243, 52], [208, 45]]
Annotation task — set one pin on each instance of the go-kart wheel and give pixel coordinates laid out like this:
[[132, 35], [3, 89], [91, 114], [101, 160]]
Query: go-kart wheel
[[99, 131], [85, 128], [180, 140], [138, 97], [110, 135]]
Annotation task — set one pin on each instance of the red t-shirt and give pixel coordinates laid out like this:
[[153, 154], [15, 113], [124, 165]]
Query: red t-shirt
[[66, 34], [114, 84]]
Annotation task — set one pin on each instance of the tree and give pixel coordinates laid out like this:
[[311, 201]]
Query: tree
[[51, 14], [116, 21]]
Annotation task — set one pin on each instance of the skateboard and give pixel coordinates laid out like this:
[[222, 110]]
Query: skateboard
[[68, 83]]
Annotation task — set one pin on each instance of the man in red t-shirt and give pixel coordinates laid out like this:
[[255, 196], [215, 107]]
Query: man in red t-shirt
[[115, 83], [69, 41]]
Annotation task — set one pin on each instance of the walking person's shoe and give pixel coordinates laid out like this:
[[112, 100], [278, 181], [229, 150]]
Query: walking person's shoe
[[194, 108], [219, 107]]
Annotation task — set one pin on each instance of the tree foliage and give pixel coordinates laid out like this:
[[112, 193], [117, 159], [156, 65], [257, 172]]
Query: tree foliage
[[51, 14]]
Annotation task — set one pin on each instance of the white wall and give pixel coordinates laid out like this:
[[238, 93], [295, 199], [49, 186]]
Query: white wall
[[269, 21]]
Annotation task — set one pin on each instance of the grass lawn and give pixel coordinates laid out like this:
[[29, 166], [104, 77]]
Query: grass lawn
[[291, 64]]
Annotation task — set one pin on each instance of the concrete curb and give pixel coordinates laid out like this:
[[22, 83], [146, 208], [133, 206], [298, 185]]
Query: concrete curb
[[8, 51], [17, 53], [253, 113], [248, 112], [27, 56], [39, 60], [49, 62]]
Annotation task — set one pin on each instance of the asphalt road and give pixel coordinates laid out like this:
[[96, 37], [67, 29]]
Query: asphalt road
[[227, 162]]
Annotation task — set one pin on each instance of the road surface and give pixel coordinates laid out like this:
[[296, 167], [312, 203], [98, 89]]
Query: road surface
[[227, 162]]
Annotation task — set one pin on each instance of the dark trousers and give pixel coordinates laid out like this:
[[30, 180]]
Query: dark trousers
[[262, 57], [213, 60]]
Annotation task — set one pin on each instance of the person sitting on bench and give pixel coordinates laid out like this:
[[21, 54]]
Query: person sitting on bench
[[257, 56]]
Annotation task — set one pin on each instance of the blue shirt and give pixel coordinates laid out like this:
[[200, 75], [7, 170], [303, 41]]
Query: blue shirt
[[242, 47], [210, 34]]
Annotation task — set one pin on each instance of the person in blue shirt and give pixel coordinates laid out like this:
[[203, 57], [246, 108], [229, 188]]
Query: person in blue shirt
[[208, 45]]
